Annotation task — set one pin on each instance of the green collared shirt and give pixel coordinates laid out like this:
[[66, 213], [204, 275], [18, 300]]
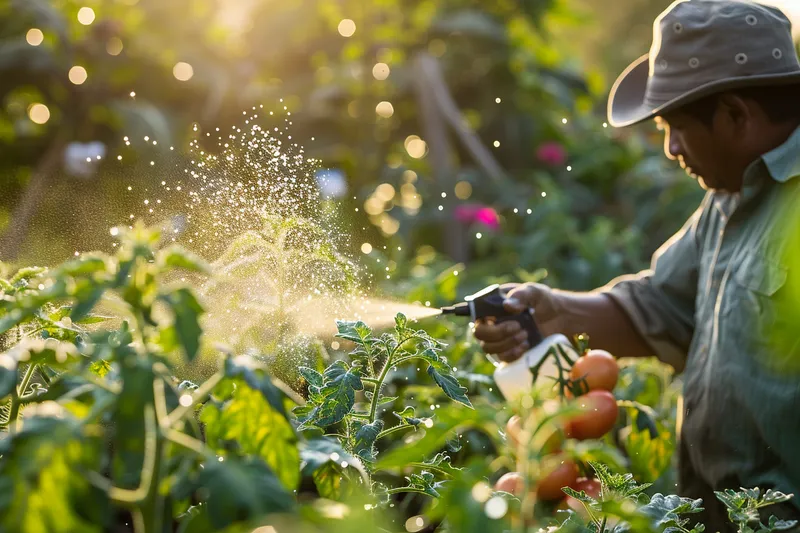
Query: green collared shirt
[[722, 302]]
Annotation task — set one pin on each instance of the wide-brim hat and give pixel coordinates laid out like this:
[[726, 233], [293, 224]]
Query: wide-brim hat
[[701, 47]]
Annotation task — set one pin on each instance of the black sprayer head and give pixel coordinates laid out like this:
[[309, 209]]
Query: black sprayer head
[[489, 303]]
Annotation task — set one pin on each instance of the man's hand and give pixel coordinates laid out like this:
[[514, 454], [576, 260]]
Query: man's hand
[[506, 340]]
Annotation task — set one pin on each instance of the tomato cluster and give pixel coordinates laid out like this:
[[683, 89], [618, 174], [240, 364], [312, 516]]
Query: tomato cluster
[[594, 375]]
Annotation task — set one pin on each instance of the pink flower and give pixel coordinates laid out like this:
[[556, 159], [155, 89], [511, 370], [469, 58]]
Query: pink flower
[[474, 213], [551, 153], [488, 217]]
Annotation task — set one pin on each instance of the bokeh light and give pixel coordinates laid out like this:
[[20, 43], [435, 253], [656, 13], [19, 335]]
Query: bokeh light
[[182, 71], [463, 190], [114, 46], [77, 75], [39, 113], [416, 147], [347, 28], [86, 15], [384, 109], [381, 71], [366, 248], [34, 36]]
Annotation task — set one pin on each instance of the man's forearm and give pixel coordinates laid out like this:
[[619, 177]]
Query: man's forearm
[[599, 317]]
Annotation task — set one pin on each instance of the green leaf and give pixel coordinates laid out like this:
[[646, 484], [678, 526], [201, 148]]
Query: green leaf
[[40, 485], [322, 459], [364, 442], [407, 417], [442, 374], [187, 311], [401, 324], [177, 257], [249, 424], [649, 457], [86, 304], [256, 378], [313, 377], [242, 489], [426, 482], [357, 332], [8, 375], [337, 396], [622, 486]]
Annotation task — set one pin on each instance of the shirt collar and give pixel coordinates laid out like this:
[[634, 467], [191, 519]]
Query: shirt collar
[[783, 163]]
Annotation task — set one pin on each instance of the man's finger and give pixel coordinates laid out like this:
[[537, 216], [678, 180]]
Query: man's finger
[[514, 353], [521, 298], [491, 333]]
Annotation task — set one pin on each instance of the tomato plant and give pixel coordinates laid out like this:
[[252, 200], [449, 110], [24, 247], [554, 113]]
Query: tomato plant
[[599, 412]]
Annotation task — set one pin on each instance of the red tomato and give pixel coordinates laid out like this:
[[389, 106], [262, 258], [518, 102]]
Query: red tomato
[[599, 416], [598, 368], [511, 482], [590, 486], [564, 475]]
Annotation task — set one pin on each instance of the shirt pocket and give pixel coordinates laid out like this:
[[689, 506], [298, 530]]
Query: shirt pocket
[[760, 316]]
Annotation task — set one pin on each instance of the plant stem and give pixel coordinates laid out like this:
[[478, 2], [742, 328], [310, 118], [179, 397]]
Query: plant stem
[[395, 429], [384, 371], [432, 468], [405, 489], [199, 395], [16, 395]]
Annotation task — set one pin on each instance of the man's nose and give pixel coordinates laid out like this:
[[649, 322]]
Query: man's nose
[[672, 145]]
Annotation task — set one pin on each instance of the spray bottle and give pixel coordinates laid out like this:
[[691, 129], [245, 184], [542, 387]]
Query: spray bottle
[[516, 377]]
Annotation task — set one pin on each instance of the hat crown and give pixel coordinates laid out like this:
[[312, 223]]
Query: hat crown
[[696, 42]]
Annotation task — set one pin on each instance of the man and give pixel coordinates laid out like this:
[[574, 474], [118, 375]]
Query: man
[[722, 300]]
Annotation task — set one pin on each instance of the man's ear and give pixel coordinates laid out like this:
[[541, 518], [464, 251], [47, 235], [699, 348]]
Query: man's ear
[[734, 110]]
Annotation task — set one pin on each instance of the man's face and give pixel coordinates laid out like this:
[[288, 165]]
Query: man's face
[[702, 150]]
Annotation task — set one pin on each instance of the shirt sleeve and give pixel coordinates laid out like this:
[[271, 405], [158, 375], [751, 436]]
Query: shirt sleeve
[[661, 301]]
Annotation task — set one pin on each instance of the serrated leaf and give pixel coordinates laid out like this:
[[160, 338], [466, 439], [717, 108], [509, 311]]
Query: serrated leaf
[[313, 377], [443, 376], [242, 489], [401, 324], [249, 424], [187, 311], [337, 396], [357, 332], [426, 482], [364, 441], [407, 417]]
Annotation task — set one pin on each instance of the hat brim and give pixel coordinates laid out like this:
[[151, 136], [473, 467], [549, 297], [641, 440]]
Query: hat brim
[[626, 103]]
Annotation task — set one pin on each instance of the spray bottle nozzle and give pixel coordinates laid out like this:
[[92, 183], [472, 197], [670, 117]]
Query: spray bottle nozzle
[[460, 309]]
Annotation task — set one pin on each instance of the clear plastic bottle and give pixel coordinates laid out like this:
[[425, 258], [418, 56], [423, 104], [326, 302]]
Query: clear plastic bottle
[[515, 378]]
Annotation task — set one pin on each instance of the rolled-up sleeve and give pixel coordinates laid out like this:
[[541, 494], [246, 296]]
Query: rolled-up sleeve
[[661, 301]]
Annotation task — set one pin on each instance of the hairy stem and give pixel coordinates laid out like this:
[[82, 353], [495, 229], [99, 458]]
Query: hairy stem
[[391, 430], [384, 371], [16, 395], [405, 489]]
